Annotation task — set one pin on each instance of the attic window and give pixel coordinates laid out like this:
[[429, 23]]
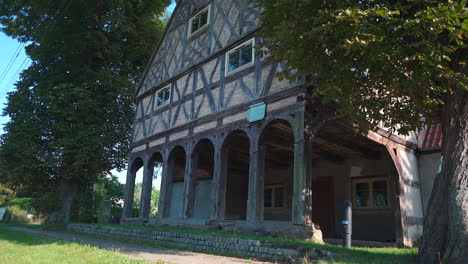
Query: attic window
[[163, 96], [240, 57], [199, 22]]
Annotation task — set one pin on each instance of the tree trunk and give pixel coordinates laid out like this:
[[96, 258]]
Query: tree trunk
[[445, 235], [67, 192]]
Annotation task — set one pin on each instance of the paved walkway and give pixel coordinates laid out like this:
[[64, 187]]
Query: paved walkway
[[141, 252]]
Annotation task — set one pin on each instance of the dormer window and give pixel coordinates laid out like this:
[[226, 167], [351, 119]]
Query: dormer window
[[240, 57], [163, 96], [199, 22]]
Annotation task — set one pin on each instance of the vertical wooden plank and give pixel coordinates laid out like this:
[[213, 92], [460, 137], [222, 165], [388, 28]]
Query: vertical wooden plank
[[166, 188], [256, 179], [163, 190], [188, 184], [129, 190], [219, 185], [147, 185], [299, 186]]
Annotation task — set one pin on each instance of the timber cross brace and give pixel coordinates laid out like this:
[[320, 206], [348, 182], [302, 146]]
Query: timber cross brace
[[290, 166]]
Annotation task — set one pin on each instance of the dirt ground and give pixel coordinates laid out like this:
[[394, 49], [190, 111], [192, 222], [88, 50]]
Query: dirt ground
[[142, 252]]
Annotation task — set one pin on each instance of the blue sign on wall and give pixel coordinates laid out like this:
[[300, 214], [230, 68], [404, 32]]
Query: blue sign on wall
[[256, 112]]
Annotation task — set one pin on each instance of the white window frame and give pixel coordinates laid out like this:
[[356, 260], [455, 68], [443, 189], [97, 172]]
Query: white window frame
[[273, 195], [161, 91], [252, 40], [200, 29], [370, 181]]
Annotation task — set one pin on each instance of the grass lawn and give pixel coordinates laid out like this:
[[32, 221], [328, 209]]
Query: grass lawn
[[345, 256], [20, 247], [14, 244]]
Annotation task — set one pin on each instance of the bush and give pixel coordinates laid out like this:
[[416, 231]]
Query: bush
[[5, 194], [15, 214]]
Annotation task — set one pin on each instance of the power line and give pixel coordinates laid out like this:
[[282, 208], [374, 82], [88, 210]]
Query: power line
[[14, 77], [23, 65], [12, 61]]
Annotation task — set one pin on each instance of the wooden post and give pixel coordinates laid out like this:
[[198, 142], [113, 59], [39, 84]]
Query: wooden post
[[299, 216], [166, 185], [129, 190], [256, 180], [219, 182], [189, 180], [147, 187]]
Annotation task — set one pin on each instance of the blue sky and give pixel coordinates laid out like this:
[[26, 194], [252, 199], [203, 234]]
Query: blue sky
[[13, 60]]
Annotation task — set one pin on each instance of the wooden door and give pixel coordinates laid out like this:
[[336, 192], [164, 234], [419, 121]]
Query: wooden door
[[323, 205]]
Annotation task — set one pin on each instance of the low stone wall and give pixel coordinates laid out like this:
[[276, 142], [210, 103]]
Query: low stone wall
[[213, 244]]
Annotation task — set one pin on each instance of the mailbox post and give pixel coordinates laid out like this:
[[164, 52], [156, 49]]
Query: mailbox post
[[347, 223]]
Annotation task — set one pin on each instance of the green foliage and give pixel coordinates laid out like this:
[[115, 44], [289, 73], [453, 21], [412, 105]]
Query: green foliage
[[71, 111], [137, 200], [395, 62], [15, 214], [5, 194], [137, 195], [23, 203], [154, 202], [86, 208]]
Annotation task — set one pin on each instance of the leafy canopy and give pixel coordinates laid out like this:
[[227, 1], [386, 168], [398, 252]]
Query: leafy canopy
[[394, 62], [71, 111]]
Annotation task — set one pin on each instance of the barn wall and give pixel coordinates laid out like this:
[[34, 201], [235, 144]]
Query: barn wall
[[177, 194], [428, 167], [376, 224], [195, 69], [203, 199]]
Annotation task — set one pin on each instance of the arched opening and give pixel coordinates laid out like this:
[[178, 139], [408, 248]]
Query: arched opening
[[235, 165], [136, 171], [346, 165], [202, 179], [155, 165], [276, 148], [176, 164]]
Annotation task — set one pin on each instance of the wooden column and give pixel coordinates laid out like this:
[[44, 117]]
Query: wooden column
[[218, 201], [147, 187], [300, 190], [189, 180], [166, 185], [256, 181], [129, 190]]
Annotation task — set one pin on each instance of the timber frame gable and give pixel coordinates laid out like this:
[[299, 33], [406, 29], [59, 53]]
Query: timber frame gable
[[175, 53], [220, 129]]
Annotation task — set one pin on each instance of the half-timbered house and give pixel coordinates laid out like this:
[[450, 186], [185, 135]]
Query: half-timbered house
[[241, 149]]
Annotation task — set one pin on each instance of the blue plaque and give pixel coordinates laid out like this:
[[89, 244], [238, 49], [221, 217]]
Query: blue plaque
[[256, 112]]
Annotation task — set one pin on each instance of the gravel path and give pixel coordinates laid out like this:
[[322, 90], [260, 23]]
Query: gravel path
[[141, 252]]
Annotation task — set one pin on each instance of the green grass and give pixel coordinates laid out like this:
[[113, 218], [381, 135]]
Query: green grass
[[20, 247], [355, 255], [344, 256]]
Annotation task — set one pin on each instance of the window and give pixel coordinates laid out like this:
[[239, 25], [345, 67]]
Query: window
[[163, 96], [370, 193], [199, 22], [240, 57], [273, 196]]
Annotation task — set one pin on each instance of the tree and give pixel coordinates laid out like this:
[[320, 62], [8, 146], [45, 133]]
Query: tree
[[401, 63], [71, 111], [154, 202]]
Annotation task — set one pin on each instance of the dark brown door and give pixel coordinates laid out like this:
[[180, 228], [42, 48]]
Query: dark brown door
[[323, 209]]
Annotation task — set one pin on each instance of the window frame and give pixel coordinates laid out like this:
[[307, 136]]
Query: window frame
[[236, 48], [273, 195], [369, 181], [161, 91], [201, 29]]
